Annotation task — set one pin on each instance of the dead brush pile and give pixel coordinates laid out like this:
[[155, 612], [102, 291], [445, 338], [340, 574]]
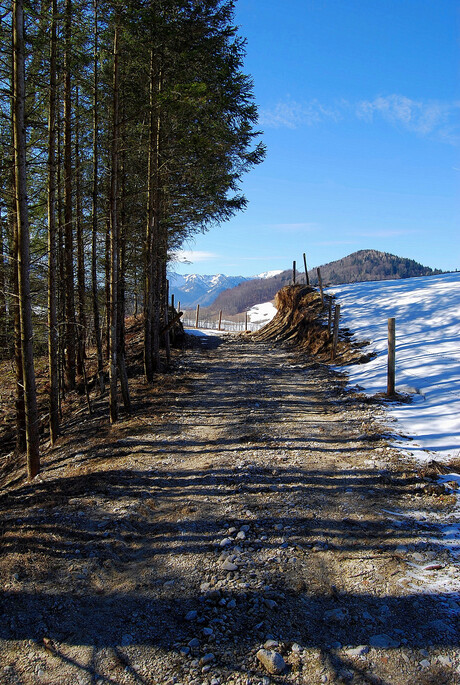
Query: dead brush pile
[[302, 321]]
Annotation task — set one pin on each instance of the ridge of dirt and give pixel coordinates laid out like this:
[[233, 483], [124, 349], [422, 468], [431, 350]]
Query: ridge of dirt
[[257, 502]]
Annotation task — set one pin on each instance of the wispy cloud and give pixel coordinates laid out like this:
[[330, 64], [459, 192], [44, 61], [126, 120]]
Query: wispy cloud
[[421, 117], [293, 114], [417, 116], [193, 256]]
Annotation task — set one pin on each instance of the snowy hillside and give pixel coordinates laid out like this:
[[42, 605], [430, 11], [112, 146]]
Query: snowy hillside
[[427, 313]]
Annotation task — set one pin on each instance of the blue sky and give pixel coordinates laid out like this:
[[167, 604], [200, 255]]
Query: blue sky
[[359, 104]]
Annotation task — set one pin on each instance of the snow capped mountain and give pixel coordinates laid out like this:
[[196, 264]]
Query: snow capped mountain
[[201, 289], [269, 274]]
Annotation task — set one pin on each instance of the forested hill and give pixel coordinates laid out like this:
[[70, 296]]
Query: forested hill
[[364, 265]]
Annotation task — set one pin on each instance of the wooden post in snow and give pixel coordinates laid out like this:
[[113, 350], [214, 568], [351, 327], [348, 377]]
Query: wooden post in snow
[[220, 320], [197, 315], [391, 357], [172, 301], [320, 283], [307, 280], [293, 273], [336, 332], [246, 321], [329, 316]]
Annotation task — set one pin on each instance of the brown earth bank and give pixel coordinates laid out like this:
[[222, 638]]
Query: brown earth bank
[[251, 524]]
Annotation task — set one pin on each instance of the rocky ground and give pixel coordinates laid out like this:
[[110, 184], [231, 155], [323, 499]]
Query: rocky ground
[[253, 526]]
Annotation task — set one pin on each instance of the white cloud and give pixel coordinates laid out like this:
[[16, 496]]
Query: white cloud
[[423, 118], [293, 114], [194, 256]]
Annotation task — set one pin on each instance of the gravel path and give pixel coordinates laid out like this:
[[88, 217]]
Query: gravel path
[[259, 529]]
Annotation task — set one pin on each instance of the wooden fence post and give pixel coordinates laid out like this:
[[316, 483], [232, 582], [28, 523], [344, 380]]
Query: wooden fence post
[[320, 283], [336, 332], [307, 280], [293, 273], [329, 317], [246, 322], [172, 301], [220, 320], [197, 315], [391, 357], [178, 306]]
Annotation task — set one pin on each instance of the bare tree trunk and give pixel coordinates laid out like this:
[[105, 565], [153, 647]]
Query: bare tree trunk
[[23, 253], [122, 291], [53, 338], [68, 227], [113, 360], [96, 315], [3, 307], [18, 372], [81, 336], [149, 239], [60, 261]]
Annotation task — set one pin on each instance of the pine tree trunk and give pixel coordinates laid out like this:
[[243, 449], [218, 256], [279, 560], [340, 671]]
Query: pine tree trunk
[[81, 290], [70, 348], [60, 260], [3, 308], [19, 401], [23, 253], [53, 338], [95, 294], [149, 257], [113, 360], [122, 288]]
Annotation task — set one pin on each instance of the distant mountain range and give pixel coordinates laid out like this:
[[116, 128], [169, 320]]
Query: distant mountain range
[[196, 289], [364, 265]]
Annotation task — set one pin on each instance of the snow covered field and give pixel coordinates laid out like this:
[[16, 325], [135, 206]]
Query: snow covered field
[[427, 313]]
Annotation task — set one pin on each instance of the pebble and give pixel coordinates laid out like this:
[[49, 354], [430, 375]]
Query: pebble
[[241, 535], [229, 566], [208, 631], [226, 542], [336, 615], [271, 644], [272, 661], [361, 650], [383, 641], [445, 660], [194, 643], [206, 659], [425, 663], [191, 616]]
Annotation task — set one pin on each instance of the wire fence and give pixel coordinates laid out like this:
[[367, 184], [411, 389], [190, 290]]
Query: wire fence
[[231, 326]]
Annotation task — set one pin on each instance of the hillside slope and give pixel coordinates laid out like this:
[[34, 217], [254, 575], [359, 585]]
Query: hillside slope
[[364, 265]]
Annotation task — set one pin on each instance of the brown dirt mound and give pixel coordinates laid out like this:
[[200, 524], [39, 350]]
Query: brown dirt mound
[[302, 321]]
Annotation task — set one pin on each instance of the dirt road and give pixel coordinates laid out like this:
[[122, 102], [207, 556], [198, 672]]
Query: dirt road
[[255, 528]]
